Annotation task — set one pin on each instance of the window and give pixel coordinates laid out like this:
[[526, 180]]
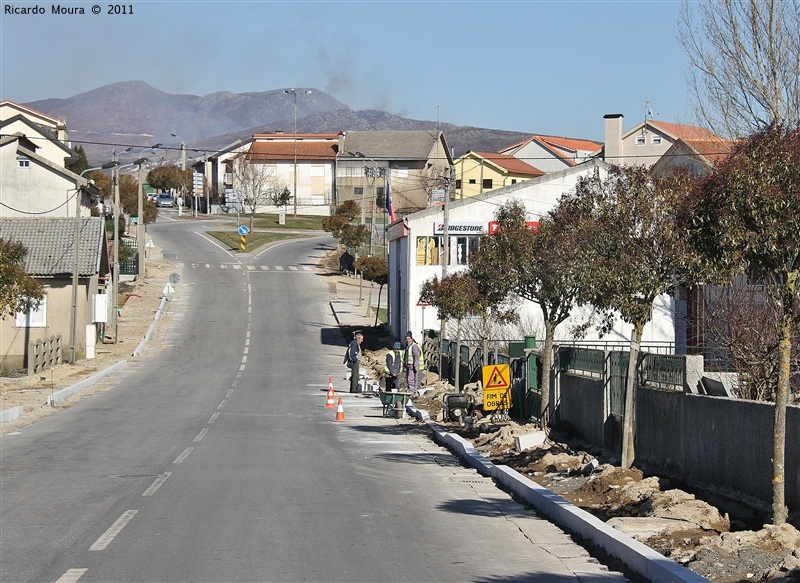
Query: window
[[24, 161], [428, 250], [36, 318], [487, 183], [640, 140], [462, 248], [358, 191], [458, 184], [513, 181], [472, 181], [656, 140]]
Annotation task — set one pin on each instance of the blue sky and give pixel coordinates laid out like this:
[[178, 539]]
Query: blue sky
[[539, 67]]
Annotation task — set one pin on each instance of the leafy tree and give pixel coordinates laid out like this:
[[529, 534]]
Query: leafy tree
[[19, 292], [632, 252], [377, 270], [129, 199], [746, 216], [166, 178], [744, 58], [81, 163], [455, 297], [339, 225], [540, 266], [281, 197]]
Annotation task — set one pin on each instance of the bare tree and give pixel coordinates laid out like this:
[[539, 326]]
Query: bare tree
[[744, 58], [257, 182]]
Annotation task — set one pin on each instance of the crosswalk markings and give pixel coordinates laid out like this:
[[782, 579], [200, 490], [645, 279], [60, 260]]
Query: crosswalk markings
[[237, 266]]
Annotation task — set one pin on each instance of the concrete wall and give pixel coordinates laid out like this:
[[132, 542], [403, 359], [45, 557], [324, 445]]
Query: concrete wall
[[711, 441]]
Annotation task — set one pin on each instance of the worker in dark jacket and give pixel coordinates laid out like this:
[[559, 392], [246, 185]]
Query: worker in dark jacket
[[393, 367], [353, 360]]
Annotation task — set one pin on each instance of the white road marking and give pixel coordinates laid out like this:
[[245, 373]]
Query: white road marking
[[278, 268], [201, 435], [208, 266], [264, 268], [229, 394], [157, 484], [244, 359], [237, 266], [223, 266], [105, 539], [292, 268], [308, 268], [183, 455], [71, 576], [251, 268], [213, 418], [242, 367], [222, 404]]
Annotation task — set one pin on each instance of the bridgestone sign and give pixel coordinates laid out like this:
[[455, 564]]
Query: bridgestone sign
[[460, 229]]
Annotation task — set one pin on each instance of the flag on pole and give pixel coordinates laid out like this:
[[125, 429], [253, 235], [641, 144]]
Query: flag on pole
[[389, 205]]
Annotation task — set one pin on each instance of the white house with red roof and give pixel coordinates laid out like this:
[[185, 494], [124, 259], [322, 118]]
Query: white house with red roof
[[648, 141], [552, 153]]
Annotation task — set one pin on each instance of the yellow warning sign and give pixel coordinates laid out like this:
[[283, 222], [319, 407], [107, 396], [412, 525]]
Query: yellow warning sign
[[496, 387], [496, 376]]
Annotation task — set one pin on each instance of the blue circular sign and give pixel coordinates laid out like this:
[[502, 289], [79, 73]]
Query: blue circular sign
[[243, 230]]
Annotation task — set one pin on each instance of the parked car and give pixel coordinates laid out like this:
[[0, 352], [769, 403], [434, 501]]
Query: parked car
[[164, 200]]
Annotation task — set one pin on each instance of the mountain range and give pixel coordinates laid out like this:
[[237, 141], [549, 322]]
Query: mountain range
[[133, 113]]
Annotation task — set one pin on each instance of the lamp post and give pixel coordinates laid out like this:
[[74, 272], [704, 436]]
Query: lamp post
[[183, 169], [115, 214], [140, 211], [73, 328], [293, 92]]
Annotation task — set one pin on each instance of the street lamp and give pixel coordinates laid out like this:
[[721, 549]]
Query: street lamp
[[140, 211], [115, 214], [293, 92], [183, 169], [73, 328]]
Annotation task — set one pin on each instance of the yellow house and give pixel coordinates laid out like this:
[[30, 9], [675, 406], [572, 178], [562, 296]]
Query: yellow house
[[479, 172]]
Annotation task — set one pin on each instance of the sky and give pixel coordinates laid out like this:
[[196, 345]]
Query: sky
[[537, 67]]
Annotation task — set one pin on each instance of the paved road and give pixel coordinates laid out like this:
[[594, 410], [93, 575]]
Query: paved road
[[216, 461]]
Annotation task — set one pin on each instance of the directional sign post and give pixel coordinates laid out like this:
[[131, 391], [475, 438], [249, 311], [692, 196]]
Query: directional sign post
[[496, 387], [243, 230]]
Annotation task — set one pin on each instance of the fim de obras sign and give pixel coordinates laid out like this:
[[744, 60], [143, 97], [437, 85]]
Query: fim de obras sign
[[460, 228], [496, 387]]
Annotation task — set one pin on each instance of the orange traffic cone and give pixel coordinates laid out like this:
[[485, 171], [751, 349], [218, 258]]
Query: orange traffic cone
[[329, 404], [340, 411]]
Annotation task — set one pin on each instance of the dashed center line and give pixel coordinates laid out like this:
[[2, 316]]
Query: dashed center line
[[222, 404], [71, 576], [105, 539], [202, 434], [183, 455], [157, 484], [213, 418]]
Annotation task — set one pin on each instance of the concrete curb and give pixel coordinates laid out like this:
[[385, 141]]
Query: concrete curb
[[11, 414], [635, 555], [142, 346], [59, 396]]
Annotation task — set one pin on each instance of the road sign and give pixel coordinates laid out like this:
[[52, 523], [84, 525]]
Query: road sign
[[243, 230], [496, 387], [423, 303]]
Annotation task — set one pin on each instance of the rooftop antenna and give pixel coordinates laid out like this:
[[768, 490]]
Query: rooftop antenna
[[437, 117]]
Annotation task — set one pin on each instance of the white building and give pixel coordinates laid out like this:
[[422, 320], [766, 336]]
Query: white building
[[415, 246]]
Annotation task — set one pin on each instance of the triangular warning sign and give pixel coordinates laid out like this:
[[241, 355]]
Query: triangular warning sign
[[497, 378]]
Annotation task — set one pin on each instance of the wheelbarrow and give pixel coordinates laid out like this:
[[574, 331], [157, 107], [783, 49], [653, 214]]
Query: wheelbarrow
[[396, 401]]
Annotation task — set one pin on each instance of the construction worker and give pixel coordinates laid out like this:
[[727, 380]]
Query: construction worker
[[414, 362], [393, 367], [352, 359]]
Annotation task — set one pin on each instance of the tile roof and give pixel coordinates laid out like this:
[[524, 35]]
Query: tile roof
[[285, 150], [391, 145], [50, 244], [714, 150], [683, 132], [510, 163], [571, 144], [558, 146]]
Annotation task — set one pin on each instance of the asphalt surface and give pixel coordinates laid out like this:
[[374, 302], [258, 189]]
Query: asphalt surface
[[215, 460]]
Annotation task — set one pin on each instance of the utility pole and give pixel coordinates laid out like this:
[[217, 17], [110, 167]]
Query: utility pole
[[115, 272]]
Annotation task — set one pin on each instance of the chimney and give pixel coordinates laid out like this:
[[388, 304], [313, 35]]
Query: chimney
[[613, 138]]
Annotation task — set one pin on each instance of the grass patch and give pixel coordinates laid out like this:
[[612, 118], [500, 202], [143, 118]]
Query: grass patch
[[271, 221], [254, 240]]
